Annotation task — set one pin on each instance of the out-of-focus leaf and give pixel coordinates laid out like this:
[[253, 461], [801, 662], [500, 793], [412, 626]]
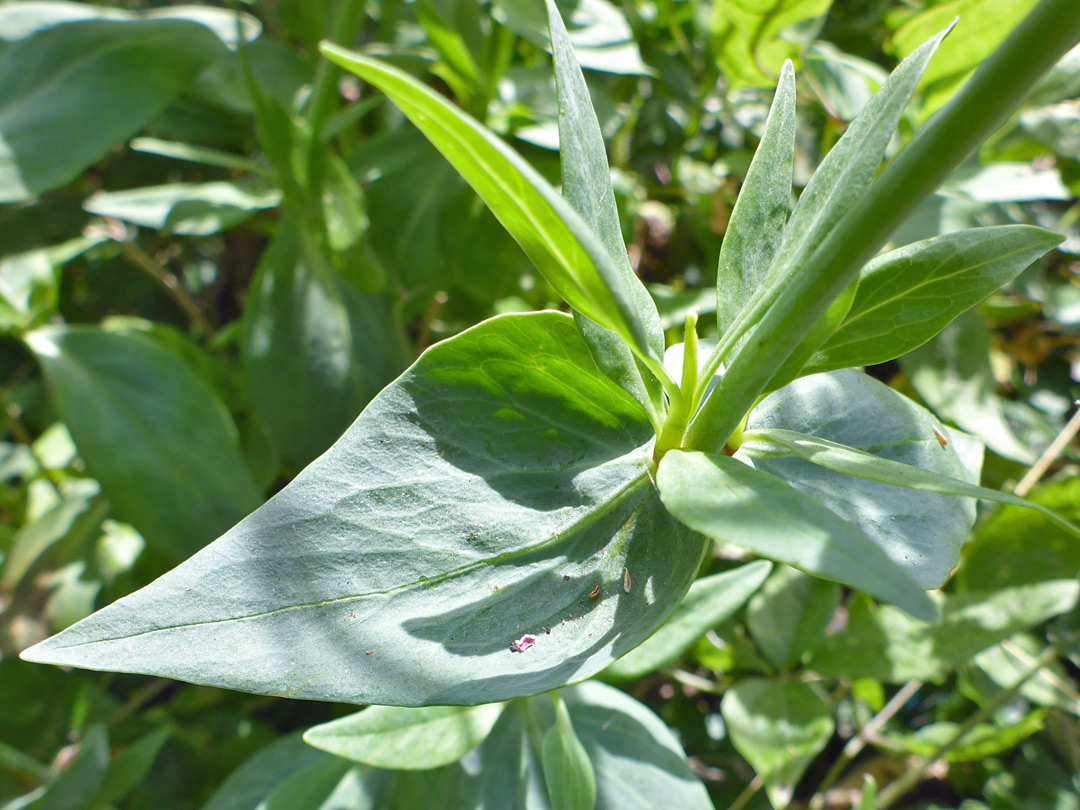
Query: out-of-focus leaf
[[249, 785], [316, 349], [886, 644], [186, 209], [844, 82], [163, 446], [788, 616], [568, 773], [127, 770], [779, 727], [82, 778], [1006, 182], [1011, 660], [1057, 126], [51, 121], [981, 742], [407, 739], [709, 601]]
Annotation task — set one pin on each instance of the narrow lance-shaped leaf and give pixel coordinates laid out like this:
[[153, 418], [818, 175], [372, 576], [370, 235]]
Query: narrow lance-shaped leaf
[[553, 236], [907, 296], [788, 305], [586, 185], [761, 211], [568, 773], [732, 502], [498, 488], [406, 739], [849, 461], [709, 601]]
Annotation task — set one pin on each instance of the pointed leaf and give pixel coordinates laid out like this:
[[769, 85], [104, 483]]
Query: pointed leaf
[[907, 296], [189, 209], [779, 728], [519, 472], [756, 227], [921, 532], [726, 499], [560, 244], [710, 601], [859, 464], [406, 739], [568, 773], [181, 478], [586, 185]]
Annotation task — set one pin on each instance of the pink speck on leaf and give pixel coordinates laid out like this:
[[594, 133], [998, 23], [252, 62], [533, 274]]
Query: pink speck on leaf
[[523, 643]]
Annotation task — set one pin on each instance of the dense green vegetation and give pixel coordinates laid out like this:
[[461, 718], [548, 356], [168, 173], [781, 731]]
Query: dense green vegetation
[[664, 404]]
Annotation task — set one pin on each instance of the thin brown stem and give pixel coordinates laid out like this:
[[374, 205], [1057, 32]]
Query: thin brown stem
[[175, 290], [1056, 448]]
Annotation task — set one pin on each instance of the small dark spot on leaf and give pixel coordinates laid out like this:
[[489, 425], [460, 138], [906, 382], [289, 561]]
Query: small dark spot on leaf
[[566, 578]]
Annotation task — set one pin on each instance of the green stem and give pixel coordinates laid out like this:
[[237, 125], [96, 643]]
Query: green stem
[[998, 87], [679, 414], [324, 91], [896, 789]]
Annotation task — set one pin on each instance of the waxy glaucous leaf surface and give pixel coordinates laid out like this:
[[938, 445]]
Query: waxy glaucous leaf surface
[[542, 475]]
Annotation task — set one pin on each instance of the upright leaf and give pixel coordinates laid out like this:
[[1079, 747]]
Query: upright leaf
[[163, 446], [779, 728], [519, 471], [560, 244], [406, 739], [59, 115], [568, 773], [907, 296], [316, 349], [756, 227], [726, 499], [586, 184]]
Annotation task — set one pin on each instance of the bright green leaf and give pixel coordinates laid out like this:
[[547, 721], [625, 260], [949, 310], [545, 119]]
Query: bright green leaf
[[779, 727], [407, 739], [730, 501]]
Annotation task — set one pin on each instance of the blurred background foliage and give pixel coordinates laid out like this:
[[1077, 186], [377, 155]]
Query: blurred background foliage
[[215, 249]]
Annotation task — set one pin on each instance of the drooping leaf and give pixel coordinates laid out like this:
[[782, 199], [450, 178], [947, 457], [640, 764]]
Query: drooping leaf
[[709, 602], [186, 209], [316, 349], [161, 443], [51, 121], [560, 244], [586, 184], [729, 500], [568, 773], [788, 616], [919, 531], [779, 727], [519, 471], [886, 644], [867, 466], [907, 296], [756, 227], [407, 739]]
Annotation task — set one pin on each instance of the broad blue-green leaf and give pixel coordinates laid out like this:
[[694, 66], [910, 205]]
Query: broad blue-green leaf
[[732, 502], [883, 643], [568, 773], [407, 739], [486, 494], [586, 185], [907, 296], [788, 616], [316, 349], [867, 466], [160, 442], [186, 209], [637, 761], [710, 601], [779, 727], [920, 532], [289, 775], [52, 124], [756, 227], [561, 245]]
